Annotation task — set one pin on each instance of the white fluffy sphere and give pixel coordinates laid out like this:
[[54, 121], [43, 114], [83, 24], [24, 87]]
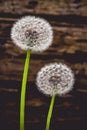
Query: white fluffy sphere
[[55, 79], [32, 33]]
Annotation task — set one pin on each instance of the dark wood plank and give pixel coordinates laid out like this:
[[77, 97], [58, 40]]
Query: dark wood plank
[[69, 21]]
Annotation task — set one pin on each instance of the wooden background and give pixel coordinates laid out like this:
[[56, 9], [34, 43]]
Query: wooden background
[[69, 21]]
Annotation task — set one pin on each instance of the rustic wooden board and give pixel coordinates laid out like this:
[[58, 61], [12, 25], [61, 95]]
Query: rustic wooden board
[[69, 22]]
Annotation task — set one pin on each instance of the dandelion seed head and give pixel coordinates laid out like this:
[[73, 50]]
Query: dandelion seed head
[[32, 33], [55, 79]]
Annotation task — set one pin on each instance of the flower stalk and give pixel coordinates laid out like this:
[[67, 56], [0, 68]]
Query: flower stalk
[[50, 113], [23, 90]]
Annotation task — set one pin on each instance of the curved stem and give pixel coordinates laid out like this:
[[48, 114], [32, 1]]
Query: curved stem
[[23, 90], [50, 113]]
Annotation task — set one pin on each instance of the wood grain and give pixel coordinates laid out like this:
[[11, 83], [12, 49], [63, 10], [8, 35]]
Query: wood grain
[[69, 22]]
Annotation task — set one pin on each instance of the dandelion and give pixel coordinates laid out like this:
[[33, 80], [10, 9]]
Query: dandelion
[[30, 33], [54, 79]]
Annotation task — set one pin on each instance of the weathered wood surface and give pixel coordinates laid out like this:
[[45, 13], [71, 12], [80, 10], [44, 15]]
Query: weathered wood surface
[[69, 21]]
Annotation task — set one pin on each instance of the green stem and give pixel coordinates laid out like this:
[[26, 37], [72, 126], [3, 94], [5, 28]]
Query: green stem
[[23, 90], [50, 113]]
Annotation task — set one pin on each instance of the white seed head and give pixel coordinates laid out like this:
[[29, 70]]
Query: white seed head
[[55, 79], [32, 33]]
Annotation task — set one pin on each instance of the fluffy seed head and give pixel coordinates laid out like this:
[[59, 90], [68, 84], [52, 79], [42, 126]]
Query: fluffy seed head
[[32, 33], [55, 79]]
